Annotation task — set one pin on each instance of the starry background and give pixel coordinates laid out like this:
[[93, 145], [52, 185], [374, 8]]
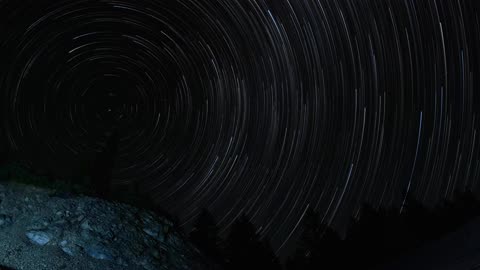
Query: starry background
[[256, 107]]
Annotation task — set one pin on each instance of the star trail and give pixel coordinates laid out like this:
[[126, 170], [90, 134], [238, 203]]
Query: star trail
[[263, 108]]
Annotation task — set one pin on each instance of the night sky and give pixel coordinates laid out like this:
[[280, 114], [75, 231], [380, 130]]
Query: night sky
[[255, 107]]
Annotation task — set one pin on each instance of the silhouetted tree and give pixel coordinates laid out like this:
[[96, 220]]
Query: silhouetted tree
[[380, 236], [271, 260], [205, 236], [318, 247], [421, 222], [464, 207], [4, 155], [244, 250], [371, 239], [4, 147], [101, 175], [82, 172]]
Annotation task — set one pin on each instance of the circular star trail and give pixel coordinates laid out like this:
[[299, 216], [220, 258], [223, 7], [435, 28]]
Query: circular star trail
[[263, 108]]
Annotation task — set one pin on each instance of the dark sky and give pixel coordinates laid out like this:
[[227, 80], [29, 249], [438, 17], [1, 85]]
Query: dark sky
[[263, 108]]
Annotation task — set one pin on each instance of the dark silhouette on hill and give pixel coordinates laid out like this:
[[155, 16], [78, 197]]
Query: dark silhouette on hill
[[205, 235], [318, 245], [245, 250], [243, 247], [380, 236], [376, 238], [101, 174], [4, 155]]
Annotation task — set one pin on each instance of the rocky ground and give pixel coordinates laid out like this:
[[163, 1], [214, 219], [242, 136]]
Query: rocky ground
[[43, 230]]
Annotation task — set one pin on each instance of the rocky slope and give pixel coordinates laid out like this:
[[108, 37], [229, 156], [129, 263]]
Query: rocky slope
[[41, 230]]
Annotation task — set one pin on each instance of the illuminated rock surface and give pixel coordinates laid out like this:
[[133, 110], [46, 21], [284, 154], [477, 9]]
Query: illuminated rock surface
[[39, 230]]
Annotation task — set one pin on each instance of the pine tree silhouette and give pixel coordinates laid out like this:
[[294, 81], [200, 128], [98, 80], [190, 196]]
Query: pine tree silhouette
[[7, 155], [244, 249], [102, 168], [463, 208], [205, 236], [270, 260], [318, 247], [380, 236]]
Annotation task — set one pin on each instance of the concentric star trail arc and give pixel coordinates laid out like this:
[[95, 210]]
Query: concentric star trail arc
[[258, 107]]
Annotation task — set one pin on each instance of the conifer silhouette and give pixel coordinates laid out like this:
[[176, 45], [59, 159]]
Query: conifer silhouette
[[244, 249], [205, 234], [380, 236], [101, 175]]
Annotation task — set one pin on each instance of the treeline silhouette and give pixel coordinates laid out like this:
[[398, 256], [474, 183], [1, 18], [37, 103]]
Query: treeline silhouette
[[377, 238], [241, 249]]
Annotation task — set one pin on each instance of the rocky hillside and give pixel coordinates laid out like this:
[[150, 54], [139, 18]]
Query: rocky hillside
[[40, 229]]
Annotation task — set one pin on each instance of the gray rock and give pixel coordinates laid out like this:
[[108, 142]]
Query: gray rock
[[151, 232], [39, 237], [69, 247], [89, 233], [80, 218], [65, 248], [149, 264], [86, 226], [5, 220], [99, 252], [155, 232], [121, 261]]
